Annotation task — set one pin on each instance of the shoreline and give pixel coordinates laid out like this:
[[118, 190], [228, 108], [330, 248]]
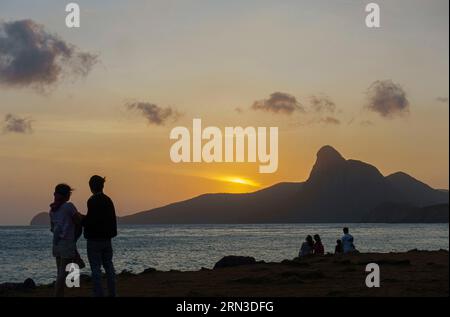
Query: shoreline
[[86, 273], [412, 273]]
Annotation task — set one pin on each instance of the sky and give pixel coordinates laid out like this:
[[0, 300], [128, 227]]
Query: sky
[[104, 97]]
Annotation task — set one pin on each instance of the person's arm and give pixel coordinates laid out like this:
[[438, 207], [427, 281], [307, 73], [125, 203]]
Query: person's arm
[[114, 218], [78, 218], [91, 217], [87, 218], [52, 225]]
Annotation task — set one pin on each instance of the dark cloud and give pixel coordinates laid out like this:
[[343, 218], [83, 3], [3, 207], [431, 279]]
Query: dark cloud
[[387, 99], [330, 120], [30, 56], [15, 124], [321, 104], [279, 102], [154, 113], [442, 99]]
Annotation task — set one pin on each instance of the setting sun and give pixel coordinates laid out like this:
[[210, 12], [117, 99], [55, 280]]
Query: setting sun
[[239, 180]]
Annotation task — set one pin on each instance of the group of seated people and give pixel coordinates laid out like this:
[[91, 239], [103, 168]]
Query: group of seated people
[[313, 245]]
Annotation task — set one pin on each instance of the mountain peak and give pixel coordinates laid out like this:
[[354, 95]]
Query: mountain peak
[[328, 154], [328, 160]]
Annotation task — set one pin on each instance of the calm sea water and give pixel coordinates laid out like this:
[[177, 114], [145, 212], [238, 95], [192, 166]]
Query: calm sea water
[[26, 252]]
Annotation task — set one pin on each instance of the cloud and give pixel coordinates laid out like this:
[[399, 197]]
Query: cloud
[[15, 124], [279, 102], [32, 57], [330, 120], [366, 123], [317, 120], [387, 99], [442, 99], [154, 113], [320, 104]]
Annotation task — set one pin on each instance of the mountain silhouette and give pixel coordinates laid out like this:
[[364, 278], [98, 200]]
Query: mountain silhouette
[[337, 190], [401, 213]]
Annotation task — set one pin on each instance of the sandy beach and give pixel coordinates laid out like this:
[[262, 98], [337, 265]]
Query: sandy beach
[[413, 273]]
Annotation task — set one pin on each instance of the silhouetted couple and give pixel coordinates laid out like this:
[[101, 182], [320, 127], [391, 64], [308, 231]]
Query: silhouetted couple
[[99, 225], [312, 246]]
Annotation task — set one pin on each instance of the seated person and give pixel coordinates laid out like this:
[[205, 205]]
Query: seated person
[[318, 248], [307, 247], [347, 242], [338, 249]]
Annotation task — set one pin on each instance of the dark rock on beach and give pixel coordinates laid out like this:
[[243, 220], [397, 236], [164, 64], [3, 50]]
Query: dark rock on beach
[[27, 285], [231, 261], [149, 270]]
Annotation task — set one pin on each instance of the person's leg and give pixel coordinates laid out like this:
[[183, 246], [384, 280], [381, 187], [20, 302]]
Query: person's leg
[[78, 260], [60, 283], [59, 287], [107, 257], [95, 261]]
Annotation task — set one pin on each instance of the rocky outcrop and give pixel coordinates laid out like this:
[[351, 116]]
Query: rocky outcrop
[[232, 260]]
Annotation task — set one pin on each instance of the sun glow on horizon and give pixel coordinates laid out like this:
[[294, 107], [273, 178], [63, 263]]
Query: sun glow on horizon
[[238, 180]]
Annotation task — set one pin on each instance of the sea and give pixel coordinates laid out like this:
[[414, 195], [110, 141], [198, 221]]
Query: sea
[[25, 252]]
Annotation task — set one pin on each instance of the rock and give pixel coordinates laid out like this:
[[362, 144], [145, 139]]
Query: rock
[[230, 261], [41, 219], [29, 284], [126, 273]]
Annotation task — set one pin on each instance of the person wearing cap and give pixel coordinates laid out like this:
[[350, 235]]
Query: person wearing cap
[[100, 226]]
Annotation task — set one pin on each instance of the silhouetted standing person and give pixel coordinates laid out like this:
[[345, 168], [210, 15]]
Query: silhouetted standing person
[[100, 226]]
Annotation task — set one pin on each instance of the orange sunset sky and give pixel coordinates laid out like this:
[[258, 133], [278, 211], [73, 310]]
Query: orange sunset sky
[[376, 95]]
